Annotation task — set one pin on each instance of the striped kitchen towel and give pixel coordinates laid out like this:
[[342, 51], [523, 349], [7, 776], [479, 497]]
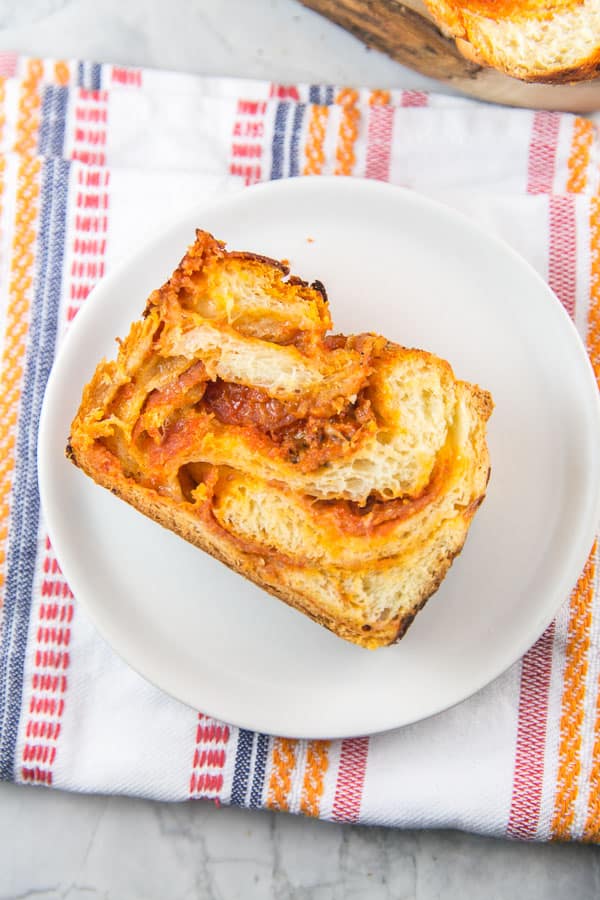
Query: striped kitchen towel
[[92, 157]]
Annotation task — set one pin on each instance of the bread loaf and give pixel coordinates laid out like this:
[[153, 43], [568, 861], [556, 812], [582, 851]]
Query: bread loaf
[[549, 41], [338, 473]]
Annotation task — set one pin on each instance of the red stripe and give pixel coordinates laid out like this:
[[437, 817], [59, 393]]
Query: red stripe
[[379, 142], [562, 254], [8, 64], [542, 152], [209, 758], [91, 197], [531, 737], [350, 780], [129, 77], [414, 98], [284, 91], [536, 666], [247, 134], [37, 775], [49, 654]]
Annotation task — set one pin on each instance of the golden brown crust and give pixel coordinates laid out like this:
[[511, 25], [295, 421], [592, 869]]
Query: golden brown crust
[[154, 428], [161, 511], [585, 70]]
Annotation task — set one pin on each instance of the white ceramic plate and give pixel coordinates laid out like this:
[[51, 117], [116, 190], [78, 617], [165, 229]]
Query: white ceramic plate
[[424, 276]]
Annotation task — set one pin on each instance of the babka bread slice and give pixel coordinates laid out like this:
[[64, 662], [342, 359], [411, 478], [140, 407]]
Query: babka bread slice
[[339, 473], [546, 41]]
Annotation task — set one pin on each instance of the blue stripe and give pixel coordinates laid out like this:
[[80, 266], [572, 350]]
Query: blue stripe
[[46, 121], [62, 95], [278, 146], [52, 128], [89, 75], [242, 767], [260, 765], [295, 145], [314, 93], [25, 512], [329, 95], [96, 77]]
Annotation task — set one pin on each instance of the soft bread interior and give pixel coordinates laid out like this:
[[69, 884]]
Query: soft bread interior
[[339, 473], [312, 532]]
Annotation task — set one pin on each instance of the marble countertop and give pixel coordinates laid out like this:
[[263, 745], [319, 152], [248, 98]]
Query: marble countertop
[[56, 845]]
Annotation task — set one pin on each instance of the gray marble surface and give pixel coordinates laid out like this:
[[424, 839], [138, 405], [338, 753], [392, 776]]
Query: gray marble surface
[[56, 845], [274, 39]]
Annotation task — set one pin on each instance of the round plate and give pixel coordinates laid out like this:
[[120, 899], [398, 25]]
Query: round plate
[[417, 272]]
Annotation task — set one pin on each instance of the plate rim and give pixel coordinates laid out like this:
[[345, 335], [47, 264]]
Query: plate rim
[[574, 559]]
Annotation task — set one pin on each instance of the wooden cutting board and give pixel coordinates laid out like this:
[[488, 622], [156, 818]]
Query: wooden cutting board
[[406, 32]]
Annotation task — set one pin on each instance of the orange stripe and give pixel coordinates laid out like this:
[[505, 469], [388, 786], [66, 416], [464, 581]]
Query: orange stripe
[[582, 598], [283, 765], [313, 151], [317, 763], [576, 666], [61, 73], [348, 132], [28, 120], [593, 335], [380, 98], [579, 158], [591, 831], [19, 289]]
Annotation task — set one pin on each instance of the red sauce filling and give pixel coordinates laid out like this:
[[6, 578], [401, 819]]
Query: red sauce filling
[[307, 439], [236, 404]]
